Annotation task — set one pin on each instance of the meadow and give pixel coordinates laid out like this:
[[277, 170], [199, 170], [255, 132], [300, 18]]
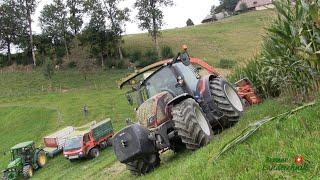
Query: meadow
[[32, 107]]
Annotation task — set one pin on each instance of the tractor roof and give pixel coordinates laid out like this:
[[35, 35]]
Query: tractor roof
[[158, 64], [22, 145]]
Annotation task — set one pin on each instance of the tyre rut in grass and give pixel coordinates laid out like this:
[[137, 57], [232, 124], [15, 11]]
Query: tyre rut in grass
[[144, 165]]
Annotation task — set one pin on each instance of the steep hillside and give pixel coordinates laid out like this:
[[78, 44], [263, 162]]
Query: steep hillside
[[32, 107], [237, 37]]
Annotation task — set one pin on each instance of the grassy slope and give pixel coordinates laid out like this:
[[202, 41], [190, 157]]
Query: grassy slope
[[235, 37], [27, 112]]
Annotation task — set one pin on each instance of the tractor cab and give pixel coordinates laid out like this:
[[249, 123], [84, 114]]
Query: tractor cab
[[24, 150], [171, 77]]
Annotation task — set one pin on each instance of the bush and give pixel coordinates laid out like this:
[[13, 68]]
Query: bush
[[226, 63], [72, 64], [243, 7], [48, 69], [150, 56], [136, 56], [166, 52], [38, 62], [190, 22]]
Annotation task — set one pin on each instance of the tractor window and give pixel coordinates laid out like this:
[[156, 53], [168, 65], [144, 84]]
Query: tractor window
[[163, 80], [188, 75], [86, 138]]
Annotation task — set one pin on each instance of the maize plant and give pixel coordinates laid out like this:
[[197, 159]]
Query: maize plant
[[290, 58]]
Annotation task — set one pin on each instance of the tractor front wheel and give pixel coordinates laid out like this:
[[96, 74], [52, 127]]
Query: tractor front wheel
[[27, 171], [41, 159], [191, 124], [144, 165], [226, 100]]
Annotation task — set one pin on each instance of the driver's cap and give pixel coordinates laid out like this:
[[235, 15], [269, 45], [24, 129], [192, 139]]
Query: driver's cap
[[184, 47]]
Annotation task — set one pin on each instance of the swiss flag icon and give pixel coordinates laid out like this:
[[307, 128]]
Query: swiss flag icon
[[298, 159]]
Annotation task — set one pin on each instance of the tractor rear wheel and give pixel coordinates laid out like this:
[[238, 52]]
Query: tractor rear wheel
[[144, 165], [27, 171], [94, 153], [191, 124], [227, 101], [41, 159]]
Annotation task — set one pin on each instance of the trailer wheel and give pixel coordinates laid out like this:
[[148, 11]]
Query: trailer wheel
[[227, 101], [144, 165], [191, 124], [103, 145], [94, 153], [27, 171]]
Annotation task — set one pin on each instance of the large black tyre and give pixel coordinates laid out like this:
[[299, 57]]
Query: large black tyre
[[41, 158], [27, 172], [190, 122], [228, 103], [144, 165]]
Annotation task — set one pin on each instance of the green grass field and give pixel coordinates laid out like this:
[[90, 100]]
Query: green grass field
[[237, 37], [29, 110]]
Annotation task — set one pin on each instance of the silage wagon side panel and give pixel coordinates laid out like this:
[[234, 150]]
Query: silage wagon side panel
[[102, 129]]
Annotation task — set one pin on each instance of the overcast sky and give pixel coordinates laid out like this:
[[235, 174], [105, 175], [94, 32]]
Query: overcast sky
[[175, 16]]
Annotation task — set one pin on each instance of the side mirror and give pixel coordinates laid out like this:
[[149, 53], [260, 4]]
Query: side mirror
[[129, 98]]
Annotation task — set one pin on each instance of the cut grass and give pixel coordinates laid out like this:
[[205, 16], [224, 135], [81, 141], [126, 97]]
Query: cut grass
[[32, 117]]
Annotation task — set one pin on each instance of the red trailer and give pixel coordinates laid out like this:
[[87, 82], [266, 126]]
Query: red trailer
[[87, 143], [54, 142]]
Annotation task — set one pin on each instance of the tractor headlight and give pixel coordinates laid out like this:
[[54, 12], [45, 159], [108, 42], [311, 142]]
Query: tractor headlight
[[80, 153], [65, 155], [151, 120]]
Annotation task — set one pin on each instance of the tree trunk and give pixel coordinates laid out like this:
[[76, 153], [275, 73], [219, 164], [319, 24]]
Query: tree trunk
[[30, 34], [120, 51], [155, 30], [66, 47], [9, 52], [157, 46], [102, 60]]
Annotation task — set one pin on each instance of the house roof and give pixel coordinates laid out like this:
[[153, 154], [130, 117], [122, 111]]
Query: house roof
[[252, 3], [218, 16]]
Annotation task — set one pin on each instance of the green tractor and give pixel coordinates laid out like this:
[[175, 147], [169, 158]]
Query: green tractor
[[25, 158]]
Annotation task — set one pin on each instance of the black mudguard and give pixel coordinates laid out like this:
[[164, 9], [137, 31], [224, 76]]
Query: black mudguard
[[132, 143]]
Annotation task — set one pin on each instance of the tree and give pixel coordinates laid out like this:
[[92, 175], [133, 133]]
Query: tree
[[213, 10], [54, 23], [116, 16], [150, 17], [76, 13], [190, 22], [117, 19], [243, 7], [10, 25], [97, 36], [43, 45], [27, 8], [226, 5]]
